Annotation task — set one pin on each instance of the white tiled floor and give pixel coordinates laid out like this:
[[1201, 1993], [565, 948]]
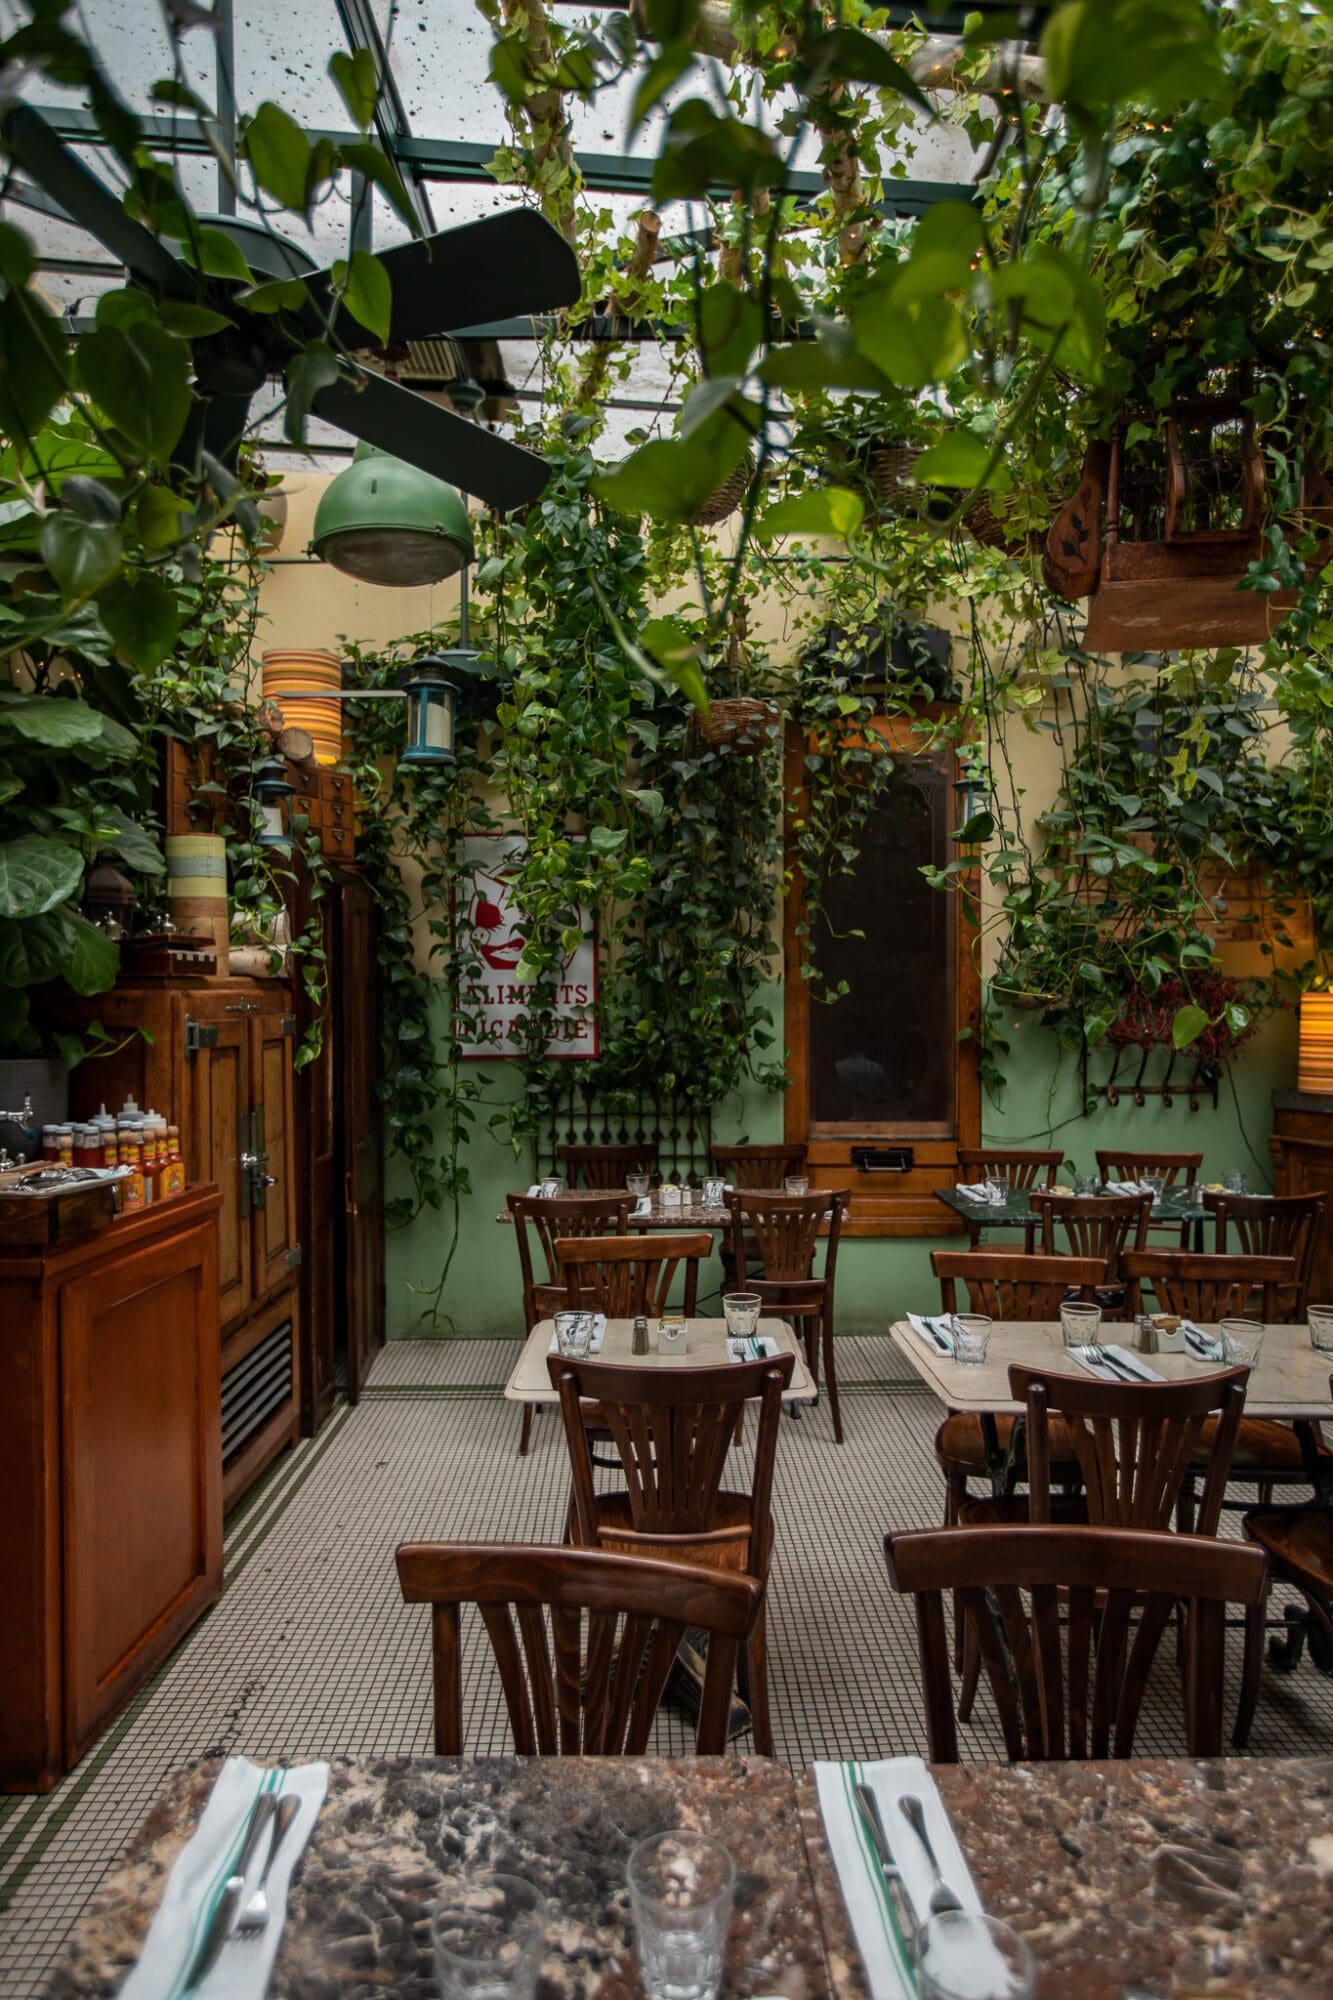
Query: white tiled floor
[[311, 1652]]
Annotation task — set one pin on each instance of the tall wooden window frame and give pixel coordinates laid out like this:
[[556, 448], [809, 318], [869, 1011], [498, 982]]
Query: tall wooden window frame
[[885, 1201]]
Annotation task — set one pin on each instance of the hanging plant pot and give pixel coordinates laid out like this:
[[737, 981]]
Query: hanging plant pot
[[737, 726], [985, 526], [728, 496], [891, 473]]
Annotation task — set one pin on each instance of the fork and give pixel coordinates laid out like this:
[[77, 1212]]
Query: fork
[[942, 1897], [255, 1916], [1116, 1366]]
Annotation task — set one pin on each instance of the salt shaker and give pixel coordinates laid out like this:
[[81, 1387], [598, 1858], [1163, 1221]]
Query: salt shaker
[[639, 1344], [1145, 1337]]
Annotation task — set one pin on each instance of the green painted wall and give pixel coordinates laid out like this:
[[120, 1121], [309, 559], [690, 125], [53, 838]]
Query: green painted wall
[[877, 1279]]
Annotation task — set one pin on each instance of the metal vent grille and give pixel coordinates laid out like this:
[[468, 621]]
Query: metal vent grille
[[255, 1388]]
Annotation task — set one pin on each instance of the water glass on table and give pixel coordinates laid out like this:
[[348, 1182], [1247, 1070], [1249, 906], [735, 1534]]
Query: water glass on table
[[1086, 1184], [681, 1888], [638, 1185], [1156, 1186], [971, 1338], [1320, 1320], [796, 1184], [487, 1933], [573, 1334], [1080, 1324], [965, 1956], [1241, 1340], [997, 1189], [741, 1311]]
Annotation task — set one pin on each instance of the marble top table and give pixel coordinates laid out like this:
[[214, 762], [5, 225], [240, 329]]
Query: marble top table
[[391, 1832], [1160, 1879], [1290, 1382], [531, 1379], [1016, 1211]]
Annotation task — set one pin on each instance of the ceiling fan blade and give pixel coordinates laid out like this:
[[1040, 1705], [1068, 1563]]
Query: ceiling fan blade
[[398, 420], [59, 172], [501, 267]]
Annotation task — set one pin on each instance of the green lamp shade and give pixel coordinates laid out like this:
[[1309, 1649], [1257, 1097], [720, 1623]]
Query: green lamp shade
[[383, 521]]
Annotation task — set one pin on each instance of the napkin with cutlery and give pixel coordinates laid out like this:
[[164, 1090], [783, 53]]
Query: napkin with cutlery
[[1128, 1187], [937, 1333], [885, 1953], [1203, 1346], [643, 1204], [594, 1344], [195, 1904], [762, 1348], [974, 1190], [1115, 1364]]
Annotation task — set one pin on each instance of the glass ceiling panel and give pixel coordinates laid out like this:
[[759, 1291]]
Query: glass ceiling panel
[[132, 40]]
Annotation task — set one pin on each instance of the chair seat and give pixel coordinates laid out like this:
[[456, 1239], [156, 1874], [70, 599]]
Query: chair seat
[[1262, 1445], [724, 1546], [1068, 1510], [960, 1443], [1300, 1541]]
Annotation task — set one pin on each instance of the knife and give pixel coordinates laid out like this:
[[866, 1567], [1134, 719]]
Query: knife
[[900, 1903]]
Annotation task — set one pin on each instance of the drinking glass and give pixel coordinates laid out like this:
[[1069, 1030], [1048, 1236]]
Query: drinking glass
[[997, 1188], [1321, 1328], [1241, 1340], [573, 1334], [1079, 1324], [1086, 1184], [962, 1956], [552, 1189], [638, 1185], [741, 1311], [681, 1887], [1156, 1183], [971, 1338], [487, 1933], [1234, 1183], [715, 1194], [796, 1184]]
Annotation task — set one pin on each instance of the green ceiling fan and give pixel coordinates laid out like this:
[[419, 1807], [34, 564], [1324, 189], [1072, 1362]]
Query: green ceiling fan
[[504, 265]]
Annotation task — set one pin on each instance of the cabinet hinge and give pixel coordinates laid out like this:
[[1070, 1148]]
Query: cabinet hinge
[[199, 1035], [288, 1024], [294, 1258]]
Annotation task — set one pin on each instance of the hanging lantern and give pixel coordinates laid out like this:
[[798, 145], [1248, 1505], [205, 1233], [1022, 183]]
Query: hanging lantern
[[1315, 1072], [383, 521], [271, 787], [432, 698]]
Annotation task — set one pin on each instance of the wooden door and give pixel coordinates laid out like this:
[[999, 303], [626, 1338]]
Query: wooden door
[[360, 1149], [273, 1231], [213, 1139], [142, 1457]]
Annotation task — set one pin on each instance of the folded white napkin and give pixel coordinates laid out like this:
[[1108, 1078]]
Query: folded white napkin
[[535, 1189], [974, 1190], [739, 1350], [598, 1336], [1136, 1364], [1128, 1187], [933, 1331], [198, 1875], [886, 1955], [1203, 1346], [643, 1204]]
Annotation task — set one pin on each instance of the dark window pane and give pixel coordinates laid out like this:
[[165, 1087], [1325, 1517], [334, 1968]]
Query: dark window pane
[[883, 1055]]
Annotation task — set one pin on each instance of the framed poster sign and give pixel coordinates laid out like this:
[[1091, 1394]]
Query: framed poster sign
[[492, 1001]]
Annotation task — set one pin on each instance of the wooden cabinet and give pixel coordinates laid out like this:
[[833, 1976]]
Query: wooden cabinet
[[215, 1056], [110, 1435], [1301, 1144]]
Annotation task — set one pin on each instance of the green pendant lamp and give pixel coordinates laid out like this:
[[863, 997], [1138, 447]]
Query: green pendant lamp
[[383, 521]]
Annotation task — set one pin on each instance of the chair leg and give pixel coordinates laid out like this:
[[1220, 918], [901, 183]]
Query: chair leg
[[810, 1341], [1251, 1672], [756, 1691], [525, 1435], [831, 1375], [955, 1492], [967, 1692]]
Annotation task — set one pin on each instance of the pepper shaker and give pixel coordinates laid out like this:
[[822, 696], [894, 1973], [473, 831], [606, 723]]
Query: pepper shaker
[[639, 1344], [1145, 1338]]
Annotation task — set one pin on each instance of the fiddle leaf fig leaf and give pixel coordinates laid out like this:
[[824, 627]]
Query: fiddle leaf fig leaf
[[33, 951], [36, 874], [92, 959], [49, 719]]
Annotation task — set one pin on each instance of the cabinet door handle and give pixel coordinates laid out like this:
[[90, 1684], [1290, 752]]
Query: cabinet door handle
[[240, 1007]]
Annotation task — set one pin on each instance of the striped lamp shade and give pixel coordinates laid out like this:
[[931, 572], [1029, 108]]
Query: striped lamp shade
[[1315, 1073]]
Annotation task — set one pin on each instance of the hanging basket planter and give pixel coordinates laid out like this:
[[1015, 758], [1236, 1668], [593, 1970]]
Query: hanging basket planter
[[891, 474], [737, 725], [718, 506], [985, 526]]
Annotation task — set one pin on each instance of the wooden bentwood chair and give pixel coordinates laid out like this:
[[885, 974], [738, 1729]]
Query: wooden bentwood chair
[[550, 1219], [1094, 1226], [1007, 1285], [1176, 1167], [672, 1429], [1104, 1576], [759, 1166], [1132, 1449], [785, 1228], [1021, 1167], [565, 1697], [1298, 1542], [1271, 1225], [623, 1276], [606, 1166]]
